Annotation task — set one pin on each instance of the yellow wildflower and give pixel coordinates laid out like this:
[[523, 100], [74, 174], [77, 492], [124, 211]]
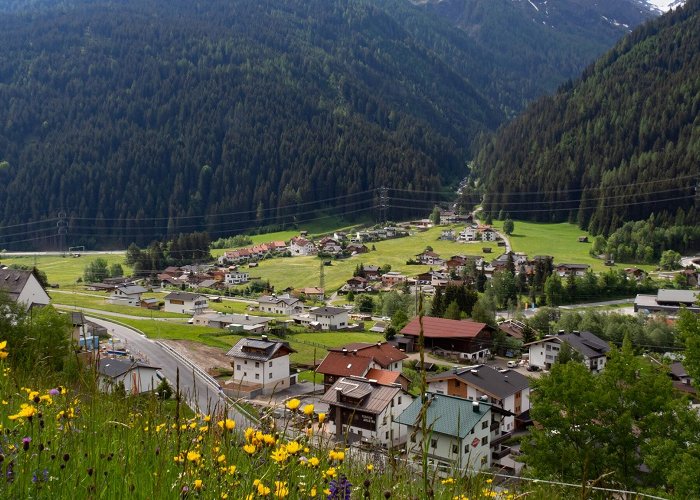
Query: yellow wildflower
[[313, 492], [370, 467], [331, 472], [221, 458], [228, 424], [449, 480], [193, 456], [197, 484], [308, 410], [321, 417], [249, 433], [293, 404], [279, 455], [207, 418], [281, 489], [268, 439], [232, 469], [293, 447], [336, 455], [313, 462], [249, 448]]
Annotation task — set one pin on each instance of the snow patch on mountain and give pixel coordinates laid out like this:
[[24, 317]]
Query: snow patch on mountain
[[662, 5]]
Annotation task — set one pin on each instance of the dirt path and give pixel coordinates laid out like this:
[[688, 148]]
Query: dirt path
[[204, 356]]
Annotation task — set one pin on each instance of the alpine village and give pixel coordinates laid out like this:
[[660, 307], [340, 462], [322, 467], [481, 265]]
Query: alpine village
[[350, 249]]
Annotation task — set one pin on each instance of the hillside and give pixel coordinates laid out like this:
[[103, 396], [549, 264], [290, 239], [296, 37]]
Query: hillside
[[137, 119], [619, 144]]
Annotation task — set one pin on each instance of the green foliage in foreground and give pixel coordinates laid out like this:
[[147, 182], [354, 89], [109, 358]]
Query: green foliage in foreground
[[604, 428], [66, 441]]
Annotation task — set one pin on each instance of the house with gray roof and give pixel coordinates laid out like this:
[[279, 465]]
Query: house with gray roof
[[282, 304], [668, 301], [462, 432], [23, 287], [363, 409], [330, 318], [235, 322], [136, 376], [593, 350], [504, 388], [186, 303], [261, 363], [127, 295]]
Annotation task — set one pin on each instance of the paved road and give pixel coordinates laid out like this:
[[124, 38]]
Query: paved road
[[200, 393], [101, 312]]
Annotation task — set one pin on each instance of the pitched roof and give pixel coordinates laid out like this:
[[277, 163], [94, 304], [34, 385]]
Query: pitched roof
[[497, 383], [444, 328], [343, 364], [373, 397], [448, 415], [382, 353], [384, 377], [258, 349], [115, 367], [13, 281], [269, 299], [585, 343], [187, 296], [131, 289], [328, 311]]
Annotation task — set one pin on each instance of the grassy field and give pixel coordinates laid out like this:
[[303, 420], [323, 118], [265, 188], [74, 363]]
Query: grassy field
[[300, 272], [559, 240], [97, 301], [65, 271]]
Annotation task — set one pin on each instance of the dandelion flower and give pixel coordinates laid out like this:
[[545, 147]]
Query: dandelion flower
[[293, 447], [308, 410], [197, 484], [281, 489], [293, 404], [249, 448], [321, 417]]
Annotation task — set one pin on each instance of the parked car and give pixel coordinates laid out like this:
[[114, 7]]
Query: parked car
[[533, 368], [512, 364]]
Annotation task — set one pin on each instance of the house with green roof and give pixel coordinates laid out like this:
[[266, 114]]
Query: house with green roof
[[461, 432]]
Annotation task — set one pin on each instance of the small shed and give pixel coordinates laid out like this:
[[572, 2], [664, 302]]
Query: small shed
[[486, 249], [583, 239]]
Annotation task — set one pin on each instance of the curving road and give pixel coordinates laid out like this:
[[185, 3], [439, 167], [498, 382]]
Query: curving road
[[199, 390]]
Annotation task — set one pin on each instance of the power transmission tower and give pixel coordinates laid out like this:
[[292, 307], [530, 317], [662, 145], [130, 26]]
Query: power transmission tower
[[62, 229], [383, 204]]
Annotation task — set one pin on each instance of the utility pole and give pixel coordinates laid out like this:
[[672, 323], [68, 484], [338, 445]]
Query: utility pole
[[322, 279]]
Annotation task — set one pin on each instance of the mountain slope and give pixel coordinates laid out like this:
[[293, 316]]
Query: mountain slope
[[620, 144], [138, 119]]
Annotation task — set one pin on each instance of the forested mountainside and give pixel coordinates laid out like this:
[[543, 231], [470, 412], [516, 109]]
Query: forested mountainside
[[549, 42], [621, 143], [139, 118]]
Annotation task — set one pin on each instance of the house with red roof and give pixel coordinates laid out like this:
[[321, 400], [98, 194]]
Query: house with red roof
[[471, 339], [359, 359]]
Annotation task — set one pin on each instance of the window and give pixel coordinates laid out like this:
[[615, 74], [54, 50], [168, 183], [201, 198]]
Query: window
[[257, 365], [455, 449], [238, 367], [257, 376], [485, 440], [399, 399], [484, 424], [433, 443], [245, 362], [270, 364], [384, 420], [270, 376], [386, 435], [484, 459], [456, 383]]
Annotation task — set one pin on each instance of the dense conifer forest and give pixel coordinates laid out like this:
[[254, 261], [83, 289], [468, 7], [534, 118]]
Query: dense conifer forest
[[619, 144], [129, 121]]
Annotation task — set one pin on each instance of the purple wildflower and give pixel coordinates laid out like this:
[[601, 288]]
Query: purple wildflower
[[340, 489], [54, 392], [25, 443]]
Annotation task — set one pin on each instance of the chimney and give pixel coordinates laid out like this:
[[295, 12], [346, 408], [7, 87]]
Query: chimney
[[263, 337], [475, 406], [345, 351], [561, 332], [379, 343], [474, 372], [576, 332], [354, 352], [246, 317]]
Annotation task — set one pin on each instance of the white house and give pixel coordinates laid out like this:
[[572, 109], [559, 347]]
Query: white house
[[282, 304], [461, 434], [236, 277], [186, 303], [23, 287], [506, 389], [361, 409], [233, 322], [330, 318], [572, 269], [301, 246], [259, 361], [544, 352], [127, 295], [469, 234], [136, 376], [488, 234]]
